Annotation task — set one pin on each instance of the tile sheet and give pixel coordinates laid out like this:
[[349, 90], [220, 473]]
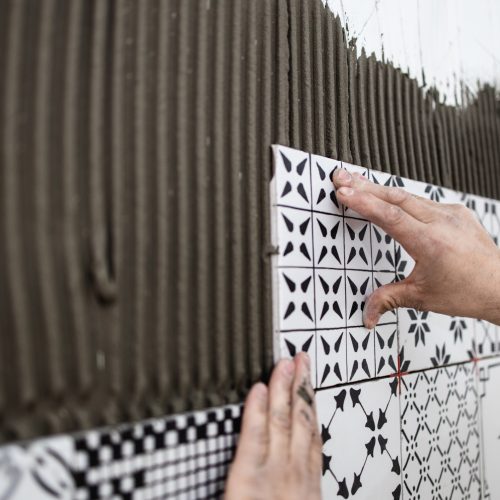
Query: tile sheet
[[407, 410], [179, 457], [328, 259]]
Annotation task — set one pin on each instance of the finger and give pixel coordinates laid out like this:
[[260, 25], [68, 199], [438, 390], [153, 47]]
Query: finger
[[391, 218], [389, 297], [304, 421], [280, 387], [416, 206], [254, 436]]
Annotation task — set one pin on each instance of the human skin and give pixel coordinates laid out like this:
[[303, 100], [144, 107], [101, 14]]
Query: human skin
[[279, 451], [457, 272], [457, 264]]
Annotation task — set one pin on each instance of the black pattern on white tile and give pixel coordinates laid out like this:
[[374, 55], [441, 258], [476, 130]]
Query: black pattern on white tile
[[360, 433], [440, 434], [182, 456]]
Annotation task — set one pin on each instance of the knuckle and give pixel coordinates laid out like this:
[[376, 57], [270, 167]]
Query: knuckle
[[281, 420], [397, 195], [394, 215]]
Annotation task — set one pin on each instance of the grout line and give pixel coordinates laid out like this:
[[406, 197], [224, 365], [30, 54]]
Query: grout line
[[337, 269], [345, 290], [321, 329], [314, 274], [409, 372]]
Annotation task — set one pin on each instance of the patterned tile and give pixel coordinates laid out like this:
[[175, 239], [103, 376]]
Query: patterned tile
[[291, 343], [183, 456], [296, 307], [328, 241], [360, 431], [323, 192], [489, 382], [331, 357], [440, 434], [295, 241], [360, 354], [359, 286], [432, 339], [330, 298], [292, 178]]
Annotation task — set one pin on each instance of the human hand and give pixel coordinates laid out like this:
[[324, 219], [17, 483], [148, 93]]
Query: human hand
[[457, 264], [279, 451]]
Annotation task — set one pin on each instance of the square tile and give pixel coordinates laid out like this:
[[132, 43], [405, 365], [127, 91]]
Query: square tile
[[291, 343], [381, 178], [323, 192], [360, 354], [292, 182], [416, 187], [328, 240], [403, 261], [489, 402], [354, 169], [382, 246], [440, 434], [361, 444], [330, 298], [487, 342], [331, 357], [296, 299], [381, 278], [357, 244], [294, 237], [432, 340], [386, 349], [358, 287], [481, 207]]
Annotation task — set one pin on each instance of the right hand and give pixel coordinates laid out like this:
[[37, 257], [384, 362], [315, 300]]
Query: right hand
[[457, 264]]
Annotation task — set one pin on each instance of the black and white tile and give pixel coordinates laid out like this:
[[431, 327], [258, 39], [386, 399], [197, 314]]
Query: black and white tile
[[331, 357], [440, 434], [293, 178], [432, 339], [295, 237], [296, 309], [489, 403], [361, 443], [324, 198], [405, 394], [291, 343], [178, 457]]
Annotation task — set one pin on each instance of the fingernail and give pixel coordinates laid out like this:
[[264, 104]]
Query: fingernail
[[345, 191], [344, 175], [289, 368]]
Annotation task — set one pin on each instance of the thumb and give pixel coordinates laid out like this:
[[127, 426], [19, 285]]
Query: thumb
[[386, 298]]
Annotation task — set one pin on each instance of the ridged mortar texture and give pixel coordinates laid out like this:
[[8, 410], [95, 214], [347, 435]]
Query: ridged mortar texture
[[134, 170]]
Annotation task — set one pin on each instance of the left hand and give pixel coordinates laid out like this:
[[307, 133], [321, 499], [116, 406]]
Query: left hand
[[279, 452]]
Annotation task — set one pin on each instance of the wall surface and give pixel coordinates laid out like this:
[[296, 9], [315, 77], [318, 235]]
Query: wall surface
[[134, 170]]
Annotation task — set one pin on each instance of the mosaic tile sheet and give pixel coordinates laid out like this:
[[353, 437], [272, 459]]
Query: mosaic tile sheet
[[179, 457], [329, 259]]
